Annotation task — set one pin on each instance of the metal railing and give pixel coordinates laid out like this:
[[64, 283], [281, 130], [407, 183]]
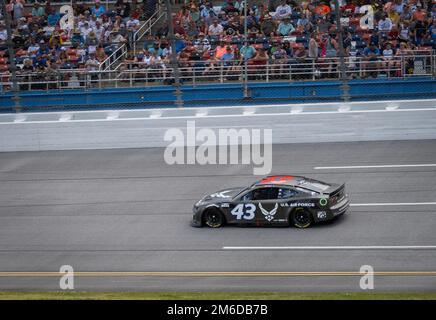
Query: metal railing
[[122, 51], [113, 58], [147, 26], [138, 74]]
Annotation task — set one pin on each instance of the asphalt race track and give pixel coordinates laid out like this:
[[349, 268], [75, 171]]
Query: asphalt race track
[[125, 210]]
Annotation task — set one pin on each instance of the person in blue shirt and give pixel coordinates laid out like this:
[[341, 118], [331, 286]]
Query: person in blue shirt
[[98, 9], [372, 59], [247, 51], [228, 57], [155, 48], [371, 51], [179, 44], [53, 18], [285, 27], [77, 38]]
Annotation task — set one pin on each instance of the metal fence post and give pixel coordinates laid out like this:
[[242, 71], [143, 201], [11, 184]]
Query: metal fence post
[[345, 88], [12, 67], [174, 63]]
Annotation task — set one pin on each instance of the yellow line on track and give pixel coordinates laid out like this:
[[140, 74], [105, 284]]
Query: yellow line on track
[[215, 274]]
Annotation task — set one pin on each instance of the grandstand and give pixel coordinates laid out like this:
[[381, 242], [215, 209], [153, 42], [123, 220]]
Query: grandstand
[[127, 43]]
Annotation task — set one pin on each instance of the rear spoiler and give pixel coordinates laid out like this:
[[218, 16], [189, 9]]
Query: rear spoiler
[[334, 189]]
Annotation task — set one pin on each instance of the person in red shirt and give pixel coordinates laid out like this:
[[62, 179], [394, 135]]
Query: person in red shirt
[[322, 9], [419, 14]]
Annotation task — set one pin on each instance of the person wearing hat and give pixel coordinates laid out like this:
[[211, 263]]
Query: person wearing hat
[[91, 40], [228, 57], [202, 43], [77, 38], [38, 10], [267, 25]]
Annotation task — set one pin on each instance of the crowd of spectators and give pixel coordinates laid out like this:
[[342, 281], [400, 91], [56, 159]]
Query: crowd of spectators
[[42, 46], [211, 33]]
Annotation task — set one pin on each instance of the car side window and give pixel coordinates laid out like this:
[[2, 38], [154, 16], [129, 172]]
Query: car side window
[[285, 193], [261, 194]]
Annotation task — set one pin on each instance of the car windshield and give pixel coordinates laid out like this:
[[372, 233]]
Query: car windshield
[[241, 192]]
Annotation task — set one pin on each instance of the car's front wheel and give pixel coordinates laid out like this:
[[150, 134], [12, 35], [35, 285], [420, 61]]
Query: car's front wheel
[[301, 218], [213, 218]]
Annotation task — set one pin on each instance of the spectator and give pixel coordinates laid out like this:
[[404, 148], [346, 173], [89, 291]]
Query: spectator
[[16, 8], [92, 64], [215, 29], [33, 48], [53, 18], [178, 28], [228, 57], [404, 33], [385, 25], [285, 27], [220, 50], [419, 14], [371, 57], [37, 10], [283, 11], [202, 44], [267, 26], [432, 29], [247, 51], [322, 9], [97, 10], [3, 33], [313, 47], [388, 57]]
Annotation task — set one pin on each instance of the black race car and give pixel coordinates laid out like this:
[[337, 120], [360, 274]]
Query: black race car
[[273, 201]]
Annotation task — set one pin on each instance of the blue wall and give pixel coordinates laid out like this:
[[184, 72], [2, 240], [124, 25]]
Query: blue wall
[[221, 94]]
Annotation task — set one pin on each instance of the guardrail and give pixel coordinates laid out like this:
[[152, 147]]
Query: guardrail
[[138, 74]]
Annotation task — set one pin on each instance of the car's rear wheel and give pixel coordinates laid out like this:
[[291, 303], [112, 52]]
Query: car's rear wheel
[[213, 218], [301, 218]]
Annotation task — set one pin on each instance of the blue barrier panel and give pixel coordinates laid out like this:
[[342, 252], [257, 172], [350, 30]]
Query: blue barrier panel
[[220, 94]]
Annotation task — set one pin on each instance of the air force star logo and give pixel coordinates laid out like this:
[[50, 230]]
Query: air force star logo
[[269, 215]]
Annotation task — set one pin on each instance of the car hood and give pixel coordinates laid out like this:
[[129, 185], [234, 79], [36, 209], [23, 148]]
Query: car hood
[[221, 196]]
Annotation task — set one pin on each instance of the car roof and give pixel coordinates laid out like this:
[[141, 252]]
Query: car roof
[[293, 181], [279, 179]]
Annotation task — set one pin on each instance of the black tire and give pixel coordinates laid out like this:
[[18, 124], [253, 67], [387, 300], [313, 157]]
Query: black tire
[[212, 218], [301, 218]]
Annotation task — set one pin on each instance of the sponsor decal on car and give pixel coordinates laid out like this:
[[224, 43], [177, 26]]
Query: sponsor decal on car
[[269, 215], [298, 204], [321, 215]]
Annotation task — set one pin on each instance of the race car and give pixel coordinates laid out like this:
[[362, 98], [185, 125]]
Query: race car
[[279, 200]]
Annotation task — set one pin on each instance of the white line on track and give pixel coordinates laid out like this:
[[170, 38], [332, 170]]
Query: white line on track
[[331, 248], [393, 204], [379, 166]]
